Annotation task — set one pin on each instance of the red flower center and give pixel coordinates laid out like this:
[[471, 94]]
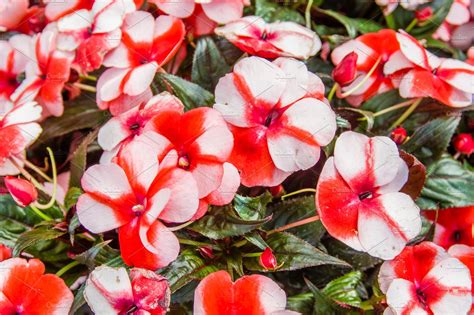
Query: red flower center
[[365, 195], [271, 117], [183, 162], [138, 209], [421, 297]]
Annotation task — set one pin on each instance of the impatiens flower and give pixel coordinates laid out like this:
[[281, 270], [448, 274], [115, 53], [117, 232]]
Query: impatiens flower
[[18, 129], [5, 252], [25, 289], [111, 291], [12, 63], [459, 14], [251, 295], [358, 196], [453, 226], [277, 115], [12, 12], [136, 195], [57, 9], [46, 73], [271, 40], [373, 51], [464, 143], [424, 279], [146, 45], [424, 14], [219, 11], [22, 191], [94, 32], [390, 5], [446, 80], [466, 255]]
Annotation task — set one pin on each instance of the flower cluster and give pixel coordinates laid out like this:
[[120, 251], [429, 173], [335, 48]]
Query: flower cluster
[[194, 145]]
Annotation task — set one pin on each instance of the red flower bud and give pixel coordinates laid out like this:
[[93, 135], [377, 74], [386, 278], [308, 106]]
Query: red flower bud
[[22, 191], [151, 292], [399, 135], [268, 260], [5, 252], [276, 191], [345, 72], [463, 143], [424, 14], [206, 251]]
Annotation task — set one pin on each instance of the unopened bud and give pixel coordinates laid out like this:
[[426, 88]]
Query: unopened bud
[[346, 71], [463, 143], [268, 260], [399, 135], [22, 191]]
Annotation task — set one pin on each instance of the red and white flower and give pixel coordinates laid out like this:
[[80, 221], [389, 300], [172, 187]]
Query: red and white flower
[[459, 14], [424, 279], [57, 9], [278, 118], [93, 32], [466, 255], [111, 291], [446, 80], [373, 51], [11, 13], [453, 226], [146, 45], [255, 294], [358, 196], [390, 5], [219, 11], [18, 129], [136, 195], [25, 289], [46, 73], [271, 40], [12, 63]]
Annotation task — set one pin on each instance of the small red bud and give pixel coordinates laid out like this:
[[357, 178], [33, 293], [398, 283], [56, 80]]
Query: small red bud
[[463, 143], [268, 260], [206, 251], [22, 191], [399, 135], [424, 14], [345, 72], [276, 191], [5, 252]]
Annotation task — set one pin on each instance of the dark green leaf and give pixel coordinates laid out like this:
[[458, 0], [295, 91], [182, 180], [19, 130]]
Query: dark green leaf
[[429, 141], [448, 184], [294, 253], [32, 237], [353, 25], [221, 222], [187, 267], [381, 102], [302, 303], [73, 225], [440, 11], [209, 64], [71, 197], [79, 300], [359, 260], [191, 94], [78, 159], [344, 289], [272, 12], [322, 304], [256, 240], [99, 254], [252, 208], [230, 53]]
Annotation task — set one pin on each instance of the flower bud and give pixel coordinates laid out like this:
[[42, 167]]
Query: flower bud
[[22, 191], [268, 260], [5, 252], [151, 292], [345, 72], [206, 251], [276, 191], [463, 143], [399, 135], [424, 14]]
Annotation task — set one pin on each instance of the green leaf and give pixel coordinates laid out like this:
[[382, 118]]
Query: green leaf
[[294, 253], [252, 208], [293, 210], [209, 64], [359, 260], [80, 115], [100, 253], [272, 12], [32, 237], [78, 159], [302, 303], [191, 94], [440, 11], [221, 222], [71, 197], [430, 140], [186, 268], [381, 102], [322, 304], [230, 53], [353, 25], [344, 289], [78, 301], [448, 184], [256, 240]]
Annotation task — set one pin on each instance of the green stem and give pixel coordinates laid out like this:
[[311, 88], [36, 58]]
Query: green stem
[[333, 91], [88, 77], [407, 113], [390, 21], [240, 243], [393, 107], [85, 87], [298, 192], [55, 182], [411, 25], [194, 243], [307, 14], [37, 170], [362, 82], [40, 213], [252, 255], [179, 227], [66, 268]]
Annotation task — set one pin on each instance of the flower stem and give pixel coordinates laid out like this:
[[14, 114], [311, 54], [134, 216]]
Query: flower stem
[[37, 170], [362, 82], [393, 107], [85, 87], [55, 182], [193, 243], [179, 227], [411, 25], [28, 176], [252, 255], [88, 77], [390, 21], [295, 224], [44, 216], [307, 14], [298, 192], [66, 268], [407, 113], [333, 91]]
